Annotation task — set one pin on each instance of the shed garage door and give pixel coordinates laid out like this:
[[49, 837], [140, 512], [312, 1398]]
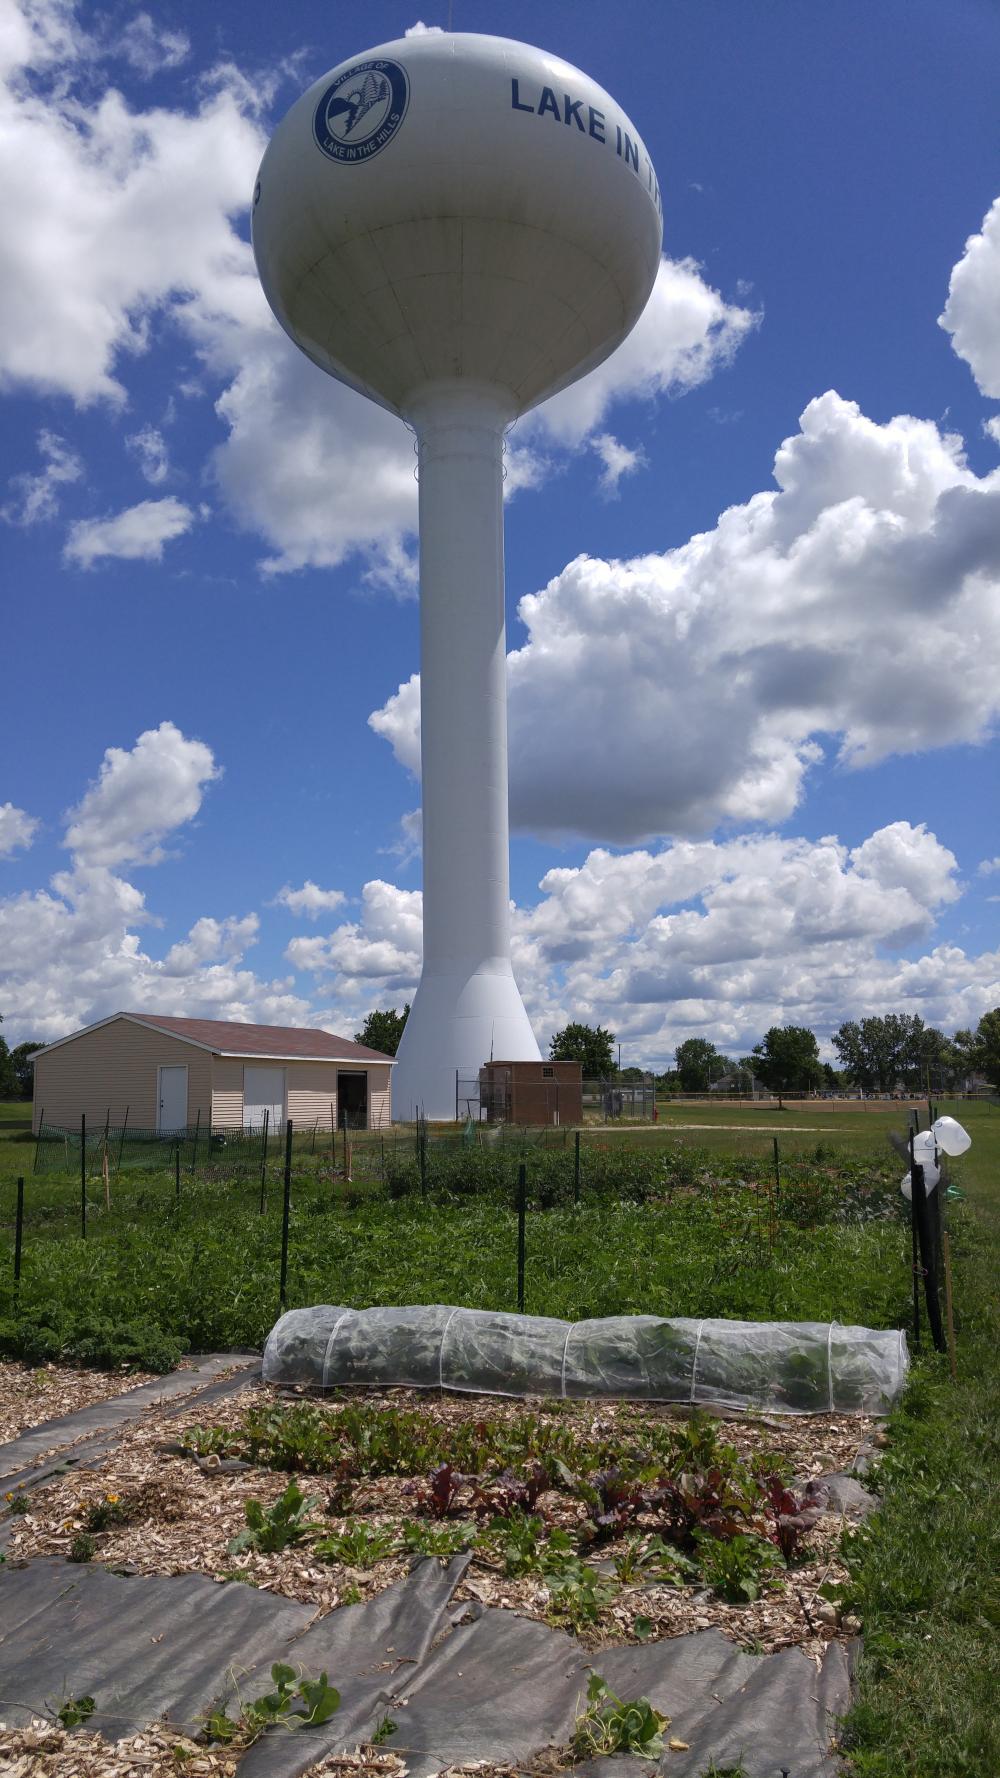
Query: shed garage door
[[263, 1090]]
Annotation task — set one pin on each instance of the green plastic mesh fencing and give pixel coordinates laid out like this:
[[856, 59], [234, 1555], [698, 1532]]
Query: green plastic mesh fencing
[[200, 1148]]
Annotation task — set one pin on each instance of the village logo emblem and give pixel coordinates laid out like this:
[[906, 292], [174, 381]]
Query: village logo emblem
[[361, 110]]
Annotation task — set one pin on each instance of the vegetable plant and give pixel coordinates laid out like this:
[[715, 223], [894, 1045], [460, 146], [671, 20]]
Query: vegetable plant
[[272, 1528], [792, 1519], [438, 1496], [358, 1545], [737, 1568], [418, 1538]]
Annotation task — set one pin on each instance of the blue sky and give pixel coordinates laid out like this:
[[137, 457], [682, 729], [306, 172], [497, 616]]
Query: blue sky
[[753, 772]]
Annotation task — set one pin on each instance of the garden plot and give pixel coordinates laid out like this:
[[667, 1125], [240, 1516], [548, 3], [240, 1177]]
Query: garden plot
[[32, 1394], [617, 1523]]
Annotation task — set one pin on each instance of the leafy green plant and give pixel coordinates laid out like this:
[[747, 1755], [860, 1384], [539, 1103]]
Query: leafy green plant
[[114, 1509], [611, 1725], [418, 1538], [296, 1702], [577, 1593], [55, 1334], [17, 1501], [82, 1549], [737, 1568], [75, 1711], [665, 1563], [272, 1528], [208, 1441], [383, 1729], [300, 1437], [358, 1545]]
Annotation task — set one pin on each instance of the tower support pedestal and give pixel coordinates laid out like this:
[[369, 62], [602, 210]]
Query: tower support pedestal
[[467, 1007]]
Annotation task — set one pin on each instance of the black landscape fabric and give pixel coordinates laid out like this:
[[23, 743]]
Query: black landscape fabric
[[462, 1682]]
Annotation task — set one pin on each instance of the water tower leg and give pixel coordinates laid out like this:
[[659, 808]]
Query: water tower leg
[[467, 1006]]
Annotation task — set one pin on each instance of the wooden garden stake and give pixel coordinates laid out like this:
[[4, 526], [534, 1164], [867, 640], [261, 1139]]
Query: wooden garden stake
[[949, 1314]]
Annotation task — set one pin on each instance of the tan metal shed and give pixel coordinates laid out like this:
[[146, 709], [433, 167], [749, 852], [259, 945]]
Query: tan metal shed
[[168, 1073]]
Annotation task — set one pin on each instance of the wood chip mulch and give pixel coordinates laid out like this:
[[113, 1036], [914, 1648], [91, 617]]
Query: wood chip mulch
[[44, 1751], [31, 1394], [182, 1517]]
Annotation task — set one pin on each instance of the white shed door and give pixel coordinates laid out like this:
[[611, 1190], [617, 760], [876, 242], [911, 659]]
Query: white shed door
[[263, 1090], [173, 1107]]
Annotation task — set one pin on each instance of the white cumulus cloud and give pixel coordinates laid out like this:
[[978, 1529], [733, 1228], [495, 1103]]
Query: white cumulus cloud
[[310, 900], [136, 535], [141, 794], [150, 446], [36, 497], [17, 829], [972, 312], [112, 215], [857, 606]]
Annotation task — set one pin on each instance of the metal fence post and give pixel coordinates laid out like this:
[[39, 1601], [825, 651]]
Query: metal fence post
[[922, 1218], [522, 1181], [177, 1176], [18, 1227], [263, 1160], [576, 1168], [38, 1139], [83, 1175], [121, 1141], [283, 1291], [777, 1167], [197, 1128]]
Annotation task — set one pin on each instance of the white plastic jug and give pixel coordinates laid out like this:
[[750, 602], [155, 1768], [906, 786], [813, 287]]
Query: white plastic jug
[[950, 1135]]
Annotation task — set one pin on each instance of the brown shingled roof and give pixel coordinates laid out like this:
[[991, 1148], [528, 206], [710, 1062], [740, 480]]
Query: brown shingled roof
[[227, 1038]]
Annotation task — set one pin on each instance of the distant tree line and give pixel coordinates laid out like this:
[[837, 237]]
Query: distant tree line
[[876, 1055], [17, 1069]]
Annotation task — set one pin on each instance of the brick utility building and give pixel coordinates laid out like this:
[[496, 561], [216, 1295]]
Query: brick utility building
[[532, 1092], [170, 1074]]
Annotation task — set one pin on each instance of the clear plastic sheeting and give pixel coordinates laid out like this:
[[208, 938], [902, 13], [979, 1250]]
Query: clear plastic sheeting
[[781, 1367]]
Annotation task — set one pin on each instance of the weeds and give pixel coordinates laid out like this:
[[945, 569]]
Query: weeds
[[75, 1711], [610, 1725], [295, 1703]]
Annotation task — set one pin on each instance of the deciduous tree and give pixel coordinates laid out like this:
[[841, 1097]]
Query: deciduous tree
[[22, 1061], [698, 1063], [589, 1044], [877, 1053], [383, 1030], [787, 1059]]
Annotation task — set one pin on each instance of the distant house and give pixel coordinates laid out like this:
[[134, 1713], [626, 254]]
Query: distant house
[[170, 1074], [738, 1083]]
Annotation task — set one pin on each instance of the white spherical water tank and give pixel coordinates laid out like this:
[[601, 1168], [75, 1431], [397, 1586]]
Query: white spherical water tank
[[458, 226]]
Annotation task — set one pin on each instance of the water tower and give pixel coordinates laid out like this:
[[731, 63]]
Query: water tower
[[458, 226]]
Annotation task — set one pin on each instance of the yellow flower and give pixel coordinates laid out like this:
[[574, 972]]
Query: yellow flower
[[112, 1499]]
